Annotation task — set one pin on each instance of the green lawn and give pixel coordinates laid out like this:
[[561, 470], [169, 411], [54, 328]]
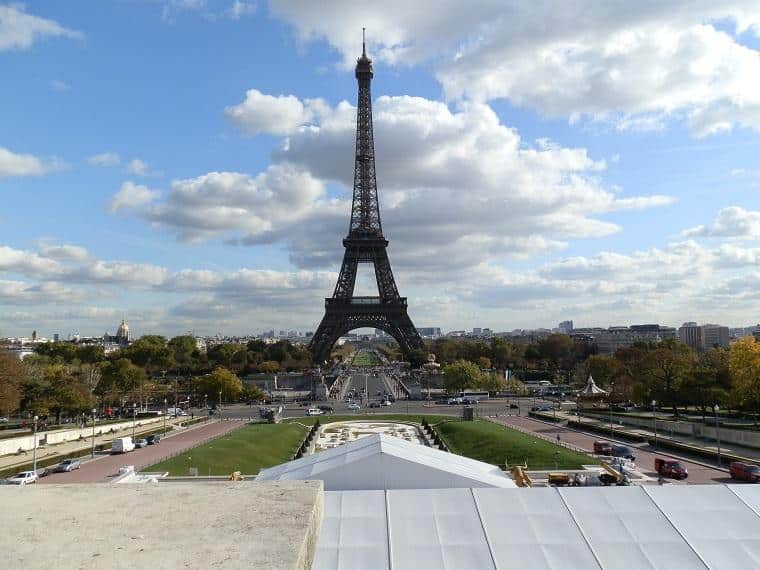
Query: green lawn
[[495, 444], [247, 450], [363, 358]]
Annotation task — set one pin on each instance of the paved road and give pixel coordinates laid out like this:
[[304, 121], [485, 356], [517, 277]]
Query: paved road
[[104, 468], [698, 474]]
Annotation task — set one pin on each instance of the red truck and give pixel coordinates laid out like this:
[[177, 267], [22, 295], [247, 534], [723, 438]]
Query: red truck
[[670, 468], [744, 472]]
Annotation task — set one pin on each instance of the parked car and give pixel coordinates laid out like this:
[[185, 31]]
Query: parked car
[[23, 478], [140, 443], [374, 404], [122, 445], [514, 407], [314, 412], [67, 465], [354, 406], [670, 468], [603, 448], [744, 472], [327, 409], [3, 420], [153, 439], [623, 451], [454, 401]]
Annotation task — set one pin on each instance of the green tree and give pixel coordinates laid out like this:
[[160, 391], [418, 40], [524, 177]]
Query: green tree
[[252, 393], [121, 377], [269, 367], [558, 350], [150, 352], [664, 371], [702, 386], [184, 352], [461, 375], [744, 365], [220, 380], [604, 369], [484, 362], [417, 357], [13, 374]]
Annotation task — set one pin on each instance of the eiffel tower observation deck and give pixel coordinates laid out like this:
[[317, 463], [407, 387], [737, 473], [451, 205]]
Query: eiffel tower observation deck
[[364, 243]]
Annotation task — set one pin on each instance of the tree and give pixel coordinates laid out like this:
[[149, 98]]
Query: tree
[[604, 369], [664, 370], [702, 386], [121, 377], [12, 377], [151, 352], [461, 375], [516, 387], [417, 357], [744, 365], [183, 351], [484, 362], [220, 380], [491, 382], [557, 349], [270, 367], [253, 393]]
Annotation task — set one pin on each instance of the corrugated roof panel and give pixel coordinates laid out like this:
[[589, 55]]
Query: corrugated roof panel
[[718, 525], [626, 530], [436, 528], [532, 529], [354, 532]]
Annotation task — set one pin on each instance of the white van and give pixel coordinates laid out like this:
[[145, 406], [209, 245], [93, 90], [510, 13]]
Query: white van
[[122, 445]]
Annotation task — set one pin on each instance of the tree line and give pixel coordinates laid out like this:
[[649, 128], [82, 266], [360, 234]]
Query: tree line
[[66, 379]]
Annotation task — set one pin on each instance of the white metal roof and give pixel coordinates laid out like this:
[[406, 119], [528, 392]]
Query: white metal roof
[[672, 527], [385, 462]]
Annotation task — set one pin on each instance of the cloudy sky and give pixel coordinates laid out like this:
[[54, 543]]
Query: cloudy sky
[[187, 164]]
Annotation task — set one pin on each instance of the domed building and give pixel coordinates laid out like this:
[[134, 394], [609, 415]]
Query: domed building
[[121, 339]]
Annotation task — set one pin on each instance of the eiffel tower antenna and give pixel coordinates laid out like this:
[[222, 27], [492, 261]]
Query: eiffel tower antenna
[[364, 243]]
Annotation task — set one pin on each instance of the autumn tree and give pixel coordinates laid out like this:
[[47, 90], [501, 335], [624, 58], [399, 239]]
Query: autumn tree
[[744, 365], [12, 377], [220, 380]]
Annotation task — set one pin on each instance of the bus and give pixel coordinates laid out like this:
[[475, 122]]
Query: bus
[[473, 396]]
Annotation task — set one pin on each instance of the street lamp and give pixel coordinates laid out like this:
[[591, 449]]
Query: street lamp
[[220, 405], [717, 429], [34, 448], [94, 411], [654, 416], [134, 417], [165, 412], [205, 401], [612, 388]]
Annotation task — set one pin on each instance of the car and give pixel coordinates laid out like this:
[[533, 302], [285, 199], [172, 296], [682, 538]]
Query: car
[[454, 401], [153, 439], [602, 448], [3, 420], [744, 472], [623, 451], [140, 443], [354, 406], [669, 468], [514, 407], [23, 478], [327, 409], [67, 465], [314, 412], [374, 404], [387, 403]]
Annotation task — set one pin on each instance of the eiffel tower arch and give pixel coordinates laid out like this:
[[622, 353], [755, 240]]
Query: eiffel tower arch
[[364, 243]]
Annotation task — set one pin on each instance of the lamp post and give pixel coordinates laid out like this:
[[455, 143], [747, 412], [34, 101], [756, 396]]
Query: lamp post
[[654, 416], [717, 429], [134, 417], [34, 448], [165, 412], [94, 411], [205, 401], [220, 406], [612, 389]]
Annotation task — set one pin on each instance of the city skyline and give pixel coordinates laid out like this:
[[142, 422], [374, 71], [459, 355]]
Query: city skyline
[[527, 174]]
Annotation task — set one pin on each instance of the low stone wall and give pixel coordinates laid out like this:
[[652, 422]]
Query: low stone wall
[[26, 442], [688, 429]]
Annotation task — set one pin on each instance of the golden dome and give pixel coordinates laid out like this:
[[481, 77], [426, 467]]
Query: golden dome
[[123, 331]]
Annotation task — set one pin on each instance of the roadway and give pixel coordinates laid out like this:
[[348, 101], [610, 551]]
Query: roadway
[[105, 466]]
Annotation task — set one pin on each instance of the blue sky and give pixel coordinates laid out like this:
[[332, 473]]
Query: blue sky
[[185, 163]]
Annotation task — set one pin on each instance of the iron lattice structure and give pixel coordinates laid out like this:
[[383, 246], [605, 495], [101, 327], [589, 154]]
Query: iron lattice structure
[[365, 243]]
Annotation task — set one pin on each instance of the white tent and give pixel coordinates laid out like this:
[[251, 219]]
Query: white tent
[[670, 527], [591, 390], [385, 462]]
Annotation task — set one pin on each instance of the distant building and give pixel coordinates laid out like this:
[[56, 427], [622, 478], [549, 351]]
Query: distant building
[[121, 339], [715, 336], [429, 332], [692, 335], [610, 340], [565, 327]]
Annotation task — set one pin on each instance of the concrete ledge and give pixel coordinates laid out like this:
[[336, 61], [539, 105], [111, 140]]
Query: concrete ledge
[[226, 525]]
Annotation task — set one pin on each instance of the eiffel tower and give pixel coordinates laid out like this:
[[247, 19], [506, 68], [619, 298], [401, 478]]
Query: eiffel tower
[[364, 244]]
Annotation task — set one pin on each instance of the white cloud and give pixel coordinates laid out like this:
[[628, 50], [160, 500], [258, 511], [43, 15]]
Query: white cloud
[[139, 168], [104, 159], [66, 252], [637, 65], [132, 196], [732, 222], [19, 30], [277, 115], [239, 8], [59, 86], [12, 164]]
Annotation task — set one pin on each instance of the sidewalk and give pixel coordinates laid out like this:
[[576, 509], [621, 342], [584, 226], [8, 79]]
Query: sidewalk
[[70, 447], [664, 435]]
